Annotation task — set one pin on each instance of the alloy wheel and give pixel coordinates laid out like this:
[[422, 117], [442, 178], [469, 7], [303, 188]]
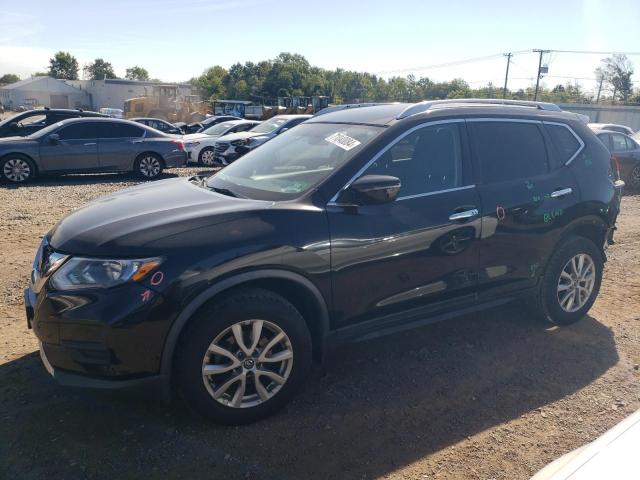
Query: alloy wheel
[[207, 158], [576, 282], [149, 167], [16, 170], [247, 364]]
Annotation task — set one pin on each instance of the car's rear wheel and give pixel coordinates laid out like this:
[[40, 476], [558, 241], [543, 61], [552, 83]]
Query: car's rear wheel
[[207, 157], [17, 168], [148, 166], [571, 282], [243, 357]]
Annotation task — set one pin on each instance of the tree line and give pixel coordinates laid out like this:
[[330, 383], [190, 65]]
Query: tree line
[[291, 74]]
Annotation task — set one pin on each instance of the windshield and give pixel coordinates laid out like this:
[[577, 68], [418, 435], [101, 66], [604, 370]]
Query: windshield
[[294, 162], [219, 129], [270, 125]]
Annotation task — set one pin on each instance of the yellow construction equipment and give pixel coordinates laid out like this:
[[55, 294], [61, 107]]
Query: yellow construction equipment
[[164, 103]]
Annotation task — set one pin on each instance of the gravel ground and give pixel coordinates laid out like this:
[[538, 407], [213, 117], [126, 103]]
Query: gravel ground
[[494, 395]]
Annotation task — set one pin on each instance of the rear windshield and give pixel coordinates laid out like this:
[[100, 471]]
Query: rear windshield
[[294, 162]]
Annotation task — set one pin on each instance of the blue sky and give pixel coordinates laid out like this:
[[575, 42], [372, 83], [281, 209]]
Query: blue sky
[[177, 39]]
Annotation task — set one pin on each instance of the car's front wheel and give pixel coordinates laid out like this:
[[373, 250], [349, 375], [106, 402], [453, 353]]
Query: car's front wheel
[[17, 168], [634, 178], [571, 282], [243, 357], [207, 157], [148, 166]]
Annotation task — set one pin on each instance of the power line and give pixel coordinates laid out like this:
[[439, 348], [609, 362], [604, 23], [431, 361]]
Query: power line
[[589, 52]]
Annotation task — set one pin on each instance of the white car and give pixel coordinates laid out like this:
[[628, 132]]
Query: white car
[[199, 146], [612, 456]]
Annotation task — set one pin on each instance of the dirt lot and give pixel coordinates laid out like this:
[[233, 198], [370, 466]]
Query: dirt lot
[[489, 396]]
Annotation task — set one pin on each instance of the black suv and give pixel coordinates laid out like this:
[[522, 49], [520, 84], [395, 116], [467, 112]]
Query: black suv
[[30, 122], [362, 221]]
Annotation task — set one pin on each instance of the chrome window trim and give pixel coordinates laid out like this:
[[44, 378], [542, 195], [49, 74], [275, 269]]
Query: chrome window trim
[[418, 195], [387, 147], [576, 136], [503, 119]]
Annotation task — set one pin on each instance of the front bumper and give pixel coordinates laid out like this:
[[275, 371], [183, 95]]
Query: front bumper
[[110, 338], [70, 379]]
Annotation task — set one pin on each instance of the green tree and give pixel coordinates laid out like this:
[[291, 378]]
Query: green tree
[[137, 73], [99, 70], [618, 71], [63, 65], [212, 83], [9, 78]]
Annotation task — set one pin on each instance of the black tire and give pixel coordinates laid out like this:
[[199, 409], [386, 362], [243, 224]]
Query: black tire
[[211, 323], [148, 166], [546, 304], [203, 157], [17, 168]]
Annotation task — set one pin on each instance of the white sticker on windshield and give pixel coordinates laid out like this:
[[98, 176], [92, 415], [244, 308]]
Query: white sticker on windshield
[[343, 141]]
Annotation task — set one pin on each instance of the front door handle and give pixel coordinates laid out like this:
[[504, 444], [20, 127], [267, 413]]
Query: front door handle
[[89, 143], [136, 141], [464, 215], [561, 192]]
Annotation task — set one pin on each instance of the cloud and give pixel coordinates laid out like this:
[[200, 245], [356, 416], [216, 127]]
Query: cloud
[[23, 61]]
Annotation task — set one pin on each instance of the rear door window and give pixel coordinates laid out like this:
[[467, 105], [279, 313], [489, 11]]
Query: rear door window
[[119, 130], [509, 150], [618, 142]]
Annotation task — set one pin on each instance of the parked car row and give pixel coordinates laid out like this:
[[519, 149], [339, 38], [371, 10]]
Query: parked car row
[[625, 150]]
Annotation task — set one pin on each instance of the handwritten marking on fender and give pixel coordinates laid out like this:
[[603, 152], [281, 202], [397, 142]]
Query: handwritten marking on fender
[[157, 278], [146, 295]]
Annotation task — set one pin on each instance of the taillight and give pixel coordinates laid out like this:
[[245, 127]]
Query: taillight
[[178, 143], [615, 164]]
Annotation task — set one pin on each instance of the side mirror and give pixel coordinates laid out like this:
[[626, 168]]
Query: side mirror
[[54, 139], [284, 130], [14, 126], [371, 190]]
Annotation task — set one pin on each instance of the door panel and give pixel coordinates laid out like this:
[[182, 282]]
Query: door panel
[[408, 253], [388, 258], [76, 150], [118, 145], [523, 212]]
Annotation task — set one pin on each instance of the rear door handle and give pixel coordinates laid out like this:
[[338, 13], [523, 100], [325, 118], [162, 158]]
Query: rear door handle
[[136, 141], [561, 193], [89, 143], [464, 215]]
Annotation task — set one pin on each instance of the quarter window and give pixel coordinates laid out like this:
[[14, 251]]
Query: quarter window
[[427, 160], [565, 142], [509, 150], [119, 130]]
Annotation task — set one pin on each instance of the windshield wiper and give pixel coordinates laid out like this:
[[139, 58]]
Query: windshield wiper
[[225, 191]]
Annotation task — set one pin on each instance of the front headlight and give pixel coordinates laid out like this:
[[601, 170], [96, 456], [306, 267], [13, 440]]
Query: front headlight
[[257, 140], [192, 145], [80, 272]]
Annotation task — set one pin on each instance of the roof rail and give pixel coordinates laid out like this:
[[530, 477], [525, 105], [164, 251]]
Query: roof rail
[[337, 108], [431, 104]]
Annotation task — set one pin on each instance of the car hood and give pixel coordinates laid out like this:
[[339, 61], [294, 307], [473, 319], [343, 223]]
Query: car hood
[[126, 223], [197, 136]]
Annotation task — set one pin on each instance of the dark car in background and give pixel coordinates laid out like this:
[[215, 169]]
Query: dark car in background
[[207, 123], [625, 151], [231, 147], [90, 145], [355, 224], [33, 120], [159, 124]]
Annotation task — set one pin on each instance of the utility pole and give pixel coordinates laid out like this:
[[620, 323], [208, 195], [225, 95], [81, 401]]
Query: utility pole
[[535, 96], [600, 88], [506, 75]]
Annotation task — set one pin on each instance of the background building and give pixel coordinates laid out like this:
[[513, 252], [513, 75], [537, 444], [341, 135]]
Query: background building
[[86, 94]]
